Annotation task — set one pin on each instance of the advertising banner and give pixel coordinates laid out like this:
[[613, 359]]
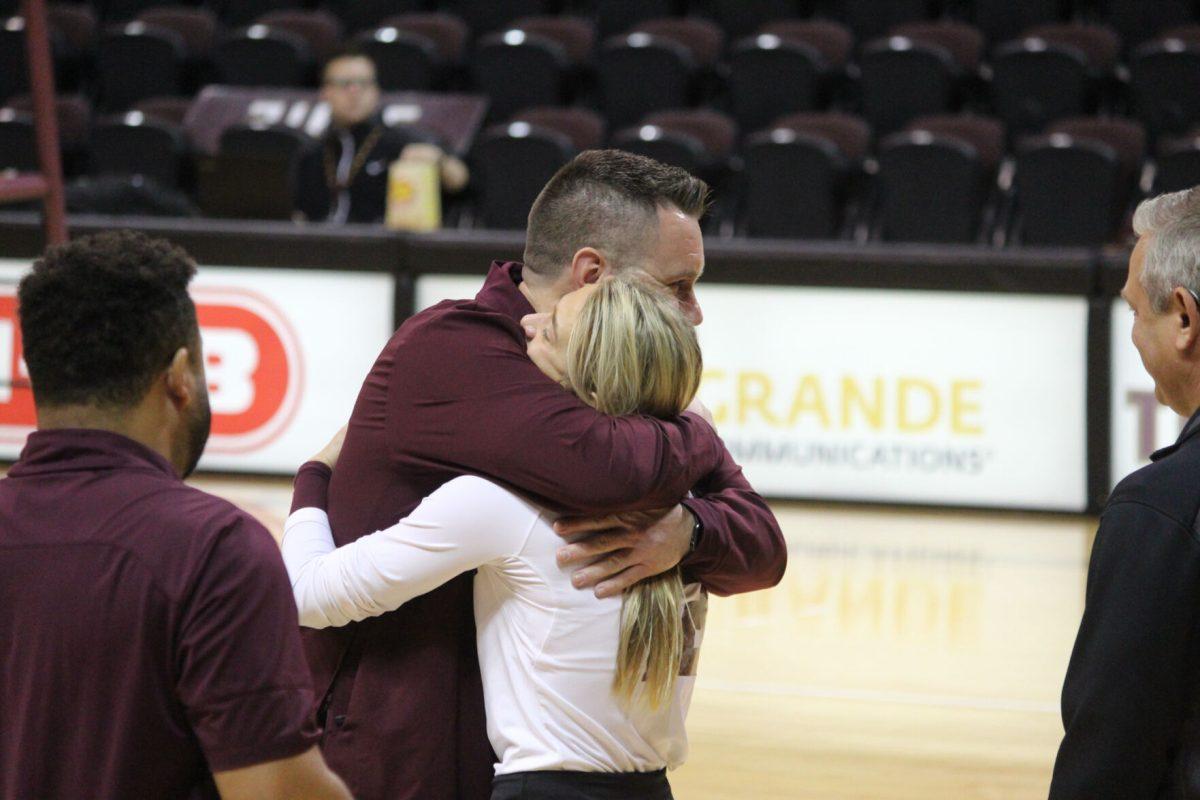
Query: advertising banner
[[1140, 424], [285, 354], [891, 395]]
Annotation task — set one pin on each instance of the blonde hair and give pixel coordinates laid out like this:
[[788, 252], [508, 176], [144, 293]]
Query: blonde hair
[[632, 351]]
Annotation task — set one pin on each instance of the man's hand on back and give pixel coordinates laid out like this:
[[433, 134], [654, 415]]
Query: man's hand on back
[[612, 553]]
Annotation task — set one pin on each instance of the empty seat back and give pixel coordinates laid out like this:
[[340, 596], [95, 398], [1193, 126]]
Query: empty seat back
[[769, 76], [514, 162], [132, 144], [518, 69], [902, 79], [1177, 166], [795, 185], [640, 73], [931, 189], [263, 56], [1066, 192], [1165, 83], [136, 61]]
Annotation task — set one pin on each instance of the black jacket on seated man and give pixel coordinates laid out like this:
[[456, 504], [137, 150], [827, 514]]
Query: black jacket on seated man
[[1131, 700], [345, 177]]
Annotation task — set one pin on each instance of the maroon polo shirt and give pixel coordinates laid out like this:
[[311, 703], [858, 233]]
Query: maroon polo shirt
[[454, 393], [147, 629]]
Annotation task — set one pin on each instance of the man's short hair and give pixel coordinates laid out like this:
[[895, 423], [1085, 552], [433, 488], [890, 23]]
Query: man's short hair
[[102, 316], [348, 50], [609, 200], [1173, 256]]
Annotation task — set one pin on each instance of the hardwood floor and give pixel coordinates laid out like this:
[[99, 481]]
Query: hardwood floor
[[907, 655]]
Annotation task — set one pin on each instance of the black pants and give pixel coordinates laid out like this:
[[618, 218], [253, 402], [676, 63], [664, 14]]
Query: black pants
[[562, 785]]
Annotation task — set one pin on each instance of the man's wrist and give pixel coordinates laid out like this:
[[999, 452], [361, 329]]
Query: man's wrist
[[697, 530]]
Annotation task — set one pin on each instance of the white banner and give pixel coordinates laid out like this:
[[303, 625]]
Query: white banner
[[285, 354], [920, 397], [1140, 424]]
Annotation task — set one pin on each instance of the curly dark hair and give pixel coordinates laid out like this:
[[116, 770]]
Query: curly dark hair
[[103, 315]]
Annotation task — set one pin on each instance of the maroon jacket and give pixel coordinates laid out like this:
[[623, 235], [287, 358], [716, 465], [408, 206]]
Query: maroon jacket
[[454, 393]]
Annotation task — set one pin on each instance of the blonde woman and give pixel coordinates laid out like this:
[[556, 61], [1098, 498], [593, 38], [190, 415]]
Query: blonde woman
[[585, 697]]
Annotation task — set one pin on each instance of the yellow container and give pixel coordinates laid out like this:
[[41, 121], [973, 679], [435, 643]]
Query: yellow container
[[414, 200]]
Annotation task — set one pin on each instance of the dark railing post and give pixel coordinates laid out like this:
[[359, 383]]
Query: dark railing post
[[41, 87]]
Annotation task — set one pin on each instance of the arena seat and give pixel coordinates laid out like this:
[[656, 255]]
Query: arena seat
[[615, 17], [1001, 20], [1137, 21], [740, 18], [361, 15], [320, 30], [486, 16], [1127, 139], [17, 148], [513, 162], [623, 67], [834, 41], [1066, 192], [251, 176], [239, 13], [964, 43], [773, 73], [1165, 85], [517, 69], [138, 60], [75, 28], [798, 176], [903, 79], [870, 19], [584, 127], [1177, 166], [448, 33], [73, 113], [677, 148], [1035, 82], [113, 11], [404, 61], [14, 75], [134, 144], [931, 188], [262, 56], [576, 36], [197, 27], [275, 141], [703, 39]]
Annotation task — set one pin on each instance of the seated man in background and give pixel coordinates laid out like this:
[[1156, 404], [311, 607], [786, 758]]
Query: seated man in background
[[1131, 700], [150, 636], [345, 179]]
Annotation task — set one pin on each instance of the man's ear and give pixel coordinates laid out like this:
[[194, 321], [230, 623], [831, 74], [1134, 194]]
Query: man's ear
[[587, 266], [181, 381], [1187, 314]]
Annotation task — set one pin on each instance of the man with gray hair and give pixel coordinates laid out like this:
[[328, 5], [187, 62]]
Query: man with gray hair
[[1131, 699]]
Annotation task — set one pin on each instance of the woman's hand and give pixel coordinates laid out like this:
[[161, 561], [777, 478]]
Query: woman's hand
[[330, 452]]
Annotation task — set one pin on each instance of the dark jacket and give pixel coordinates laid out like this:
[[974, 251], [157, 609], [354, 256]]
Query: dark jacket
[[1130, 698], [368, 188]]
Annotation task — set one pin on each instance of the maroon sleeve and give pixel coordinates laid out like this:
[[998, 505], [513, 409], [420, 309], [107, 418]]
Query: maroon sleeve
[[311, 487], [740, 548], [241, 673], [471, 399]]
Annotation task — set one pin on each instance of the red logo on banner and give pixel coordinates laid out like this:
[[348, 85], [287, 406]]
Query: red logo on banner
[[251, 360]]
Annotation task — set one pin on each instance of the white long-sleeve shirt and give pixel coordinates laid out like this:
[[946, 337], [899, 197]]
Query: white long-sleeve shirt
[[547, 651]]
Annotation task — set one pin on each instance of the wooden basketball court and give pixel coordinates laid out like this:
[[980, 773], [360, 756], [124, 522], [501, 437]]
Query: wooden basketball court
[[907, 655]]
